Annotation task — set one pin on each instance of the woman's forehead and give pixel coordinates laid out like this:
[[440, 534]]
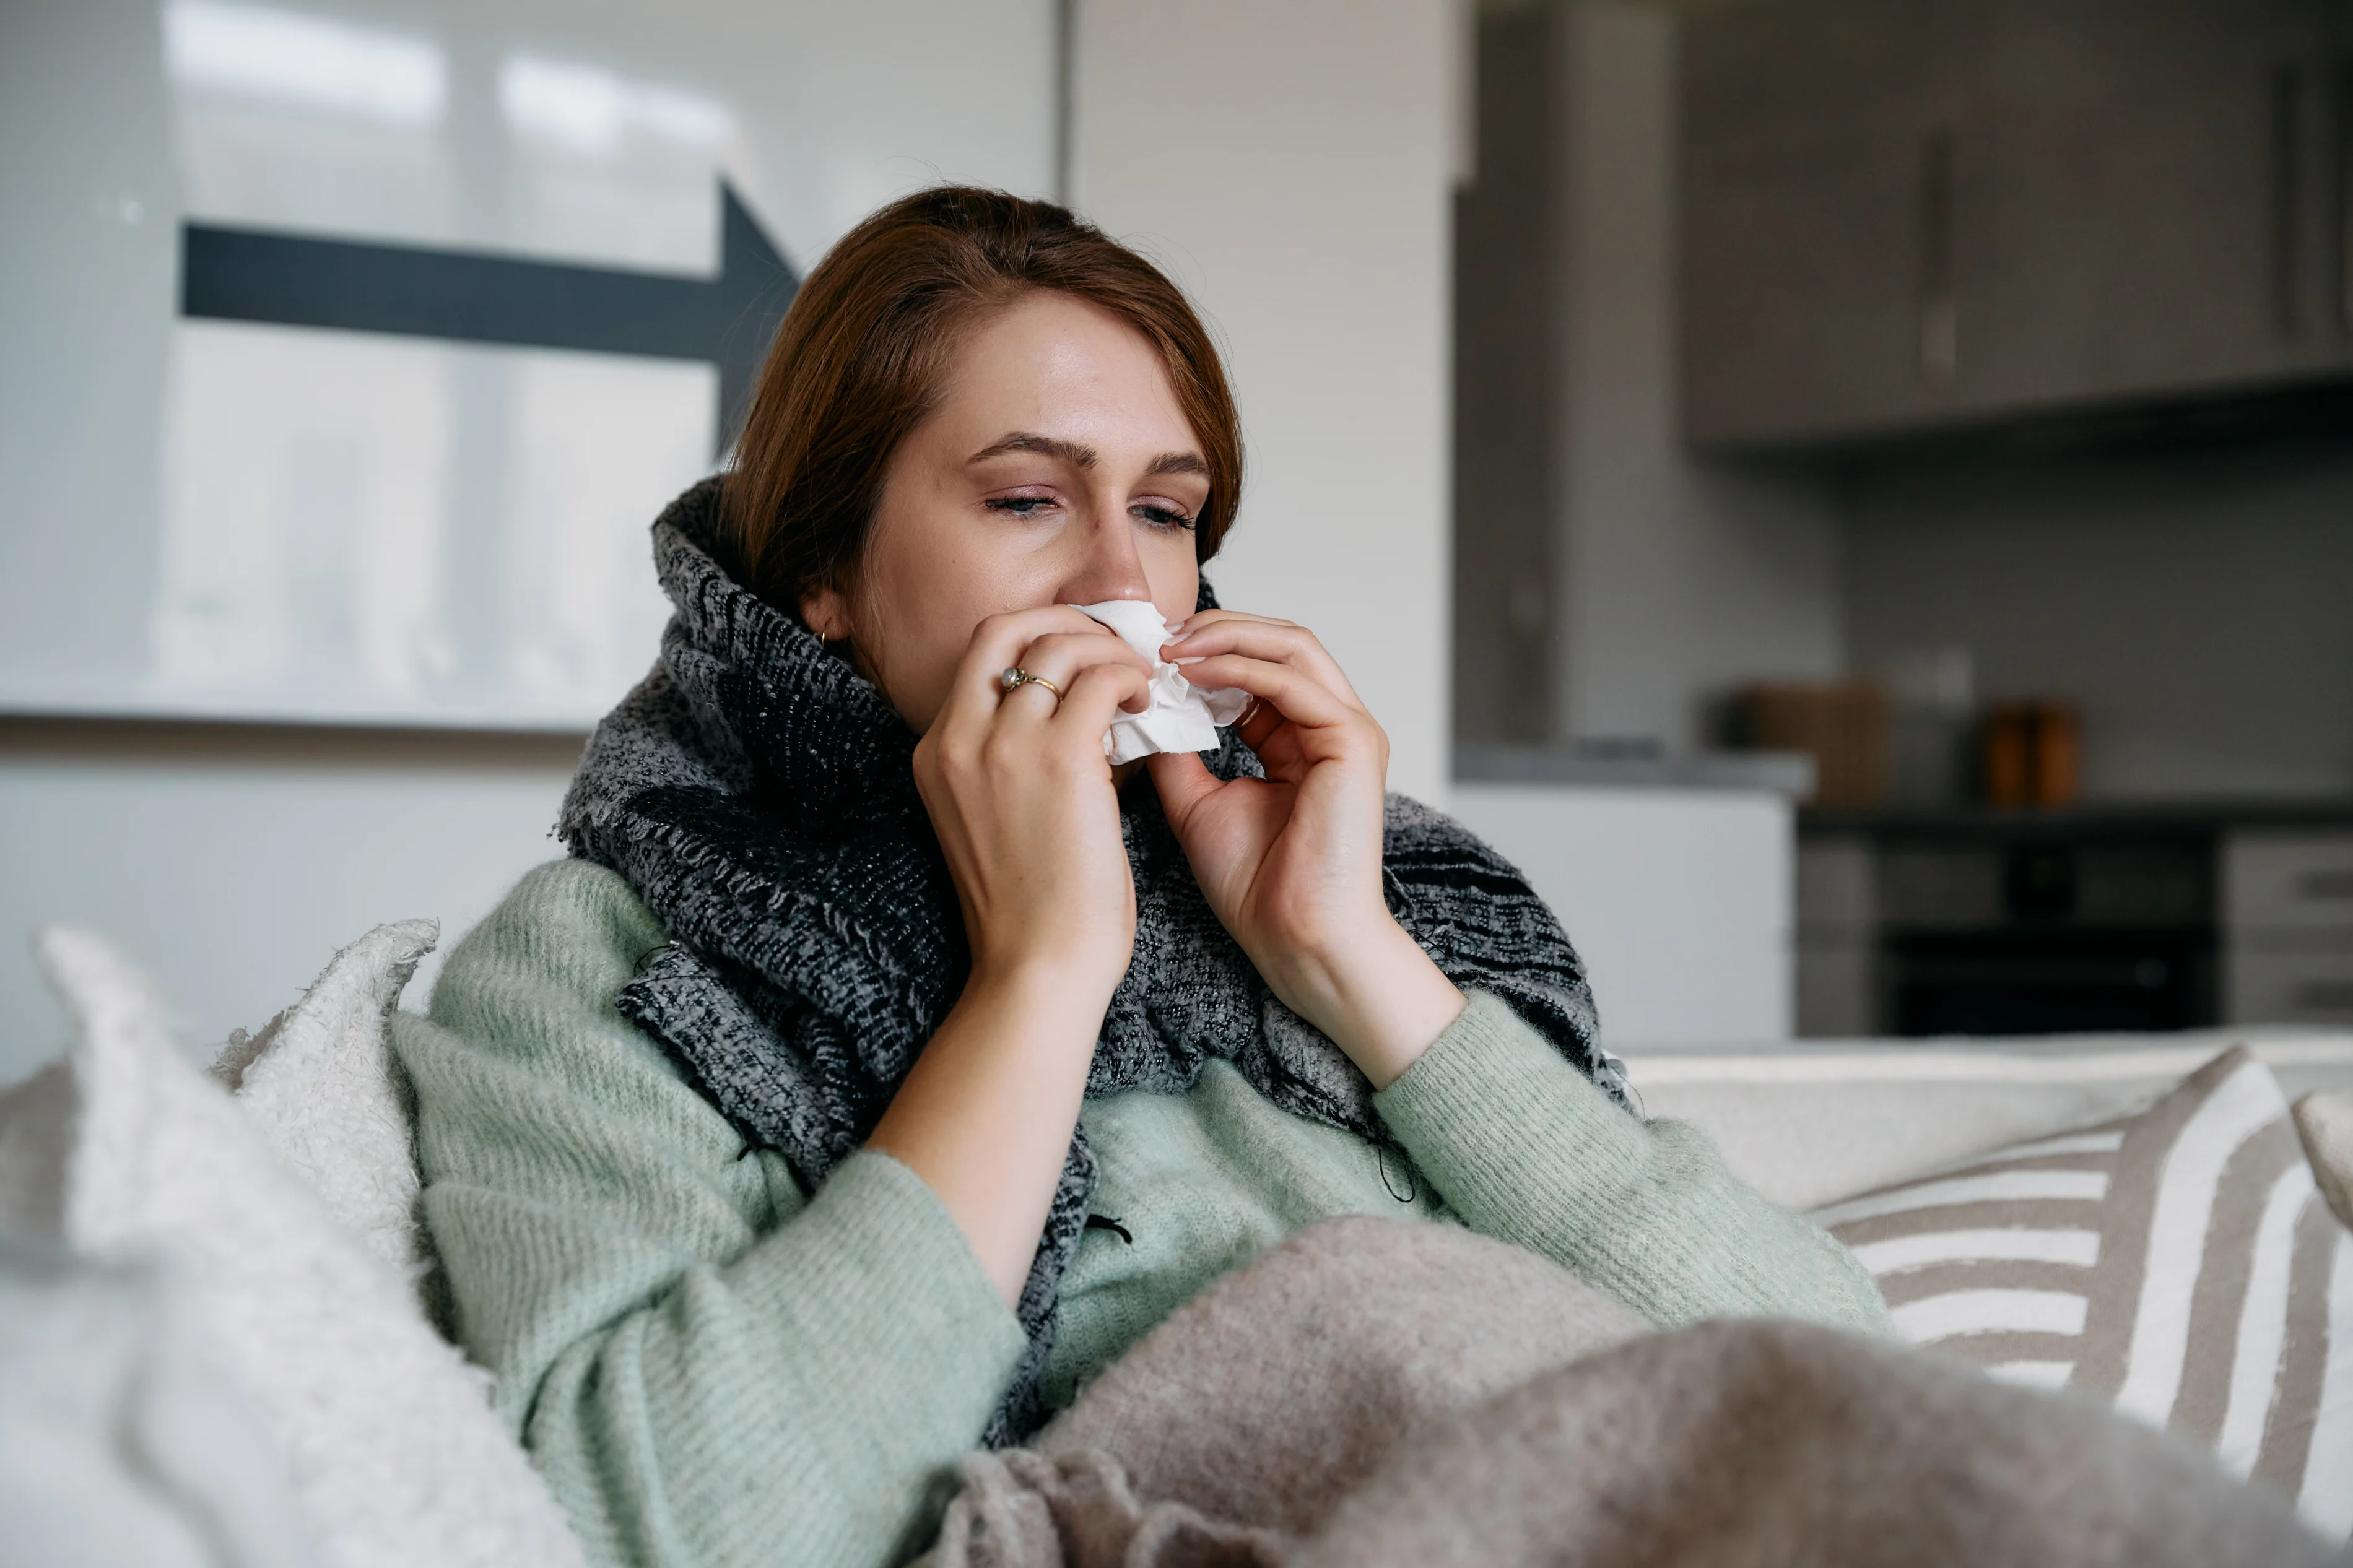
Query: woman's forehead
[[1055, 369]]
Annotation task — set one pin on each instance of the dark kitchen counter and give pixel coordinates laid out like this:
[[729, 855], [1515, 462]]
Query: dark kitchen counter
[[2083, 821]]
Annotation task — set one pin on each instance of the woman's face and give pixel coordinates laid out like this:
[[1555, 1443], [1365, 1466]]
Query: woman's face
[[1056, 470]]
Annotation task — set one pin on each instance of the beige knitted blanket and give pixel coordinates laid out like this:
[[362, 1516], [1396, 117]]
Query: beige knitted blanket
[[1376, 1392]]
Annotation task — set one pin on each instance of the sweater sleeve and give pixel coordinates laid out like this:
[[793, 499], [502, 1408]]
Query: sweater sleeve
[[1526, 1148], [705, 1369]]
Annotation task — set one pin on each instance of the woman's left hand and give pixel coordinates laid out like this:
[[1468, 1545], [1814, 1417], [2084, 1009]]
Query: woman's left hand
[[1291, 863]]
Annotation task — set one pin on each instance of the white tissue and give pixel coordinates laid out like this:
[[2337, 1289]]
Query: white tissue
[[1183, 717]]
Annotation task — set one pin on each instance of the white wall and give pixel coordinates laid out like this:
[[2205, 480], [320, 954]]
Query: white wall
[[1289, 164], [231, 864], [2199, 605], [1678, 579], [1678, 900]]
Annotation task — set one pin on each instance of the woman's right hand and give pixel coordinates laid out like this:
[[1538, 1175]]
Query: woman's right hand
[[1022, 798]]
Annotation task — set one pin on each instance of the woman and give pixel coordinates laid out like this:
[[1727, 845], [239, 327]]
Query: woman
[[886, 1061]]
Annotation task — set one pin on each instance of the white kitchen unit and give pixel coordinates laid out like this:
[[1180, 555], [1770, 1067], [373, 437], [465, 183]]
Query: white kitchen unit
[[2287, 924], [1680, 899]]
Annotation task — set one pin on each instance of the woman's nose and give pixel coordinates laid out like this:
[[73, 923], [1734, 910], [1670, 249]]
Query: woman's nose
[[1108, 566]]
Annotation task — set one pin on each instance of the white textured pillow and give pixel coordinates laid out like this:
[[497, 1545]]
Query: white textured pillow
[[2325, 1122], [120, 1441], [320, 1081], [394, 1452]]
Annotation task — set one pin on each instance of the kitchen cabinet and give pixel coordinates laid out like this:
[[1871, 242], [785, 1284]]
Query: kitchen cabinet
[[1806, 125], [1838, 937], [1901, 216], [2149, 222], [2287, 910]]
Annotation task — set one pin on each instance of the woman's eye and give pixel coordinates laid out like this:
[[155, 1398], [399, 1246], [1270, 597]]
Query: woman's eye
[[1163, 516], [1018, 506]]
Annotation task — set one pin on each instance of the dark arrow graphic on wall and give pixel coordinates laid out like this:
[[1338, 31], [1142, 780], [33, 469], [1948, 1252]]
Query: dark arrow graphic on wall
[[476, 297]]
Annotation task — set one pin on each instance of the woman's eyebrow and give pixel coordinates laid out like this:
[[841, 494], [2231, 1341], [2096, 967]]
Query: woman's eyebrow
[[1080, 456], [1070, 452]]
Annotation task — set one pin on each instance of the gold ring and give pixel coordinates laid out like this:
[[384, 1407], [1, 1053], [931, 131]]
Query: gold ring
[[1015, 678]]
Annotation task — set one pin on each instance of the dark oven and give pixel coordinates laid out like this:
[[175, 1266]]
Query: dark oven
[[2047, 932]]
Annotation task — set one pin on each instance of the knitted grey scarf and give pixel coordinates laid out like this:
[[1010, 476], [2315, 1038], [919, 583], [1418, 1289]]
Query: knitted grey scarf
[[758, 795]]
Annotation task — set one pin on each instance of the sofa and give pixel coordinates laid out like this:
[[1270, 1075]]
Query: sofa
[[217, 1329]]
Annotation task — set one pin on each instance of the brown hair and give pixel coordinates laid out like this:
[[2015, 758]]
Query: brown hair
[[861, 356]]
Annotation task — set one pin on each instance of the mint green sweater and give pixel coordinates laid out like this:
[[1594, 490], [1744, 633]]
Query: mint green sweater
[[710, 1369]]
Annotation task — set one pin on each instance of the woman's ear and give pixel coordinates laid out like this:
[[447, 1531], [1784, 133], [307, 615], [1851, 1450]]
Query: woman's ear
[[826, 612]]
